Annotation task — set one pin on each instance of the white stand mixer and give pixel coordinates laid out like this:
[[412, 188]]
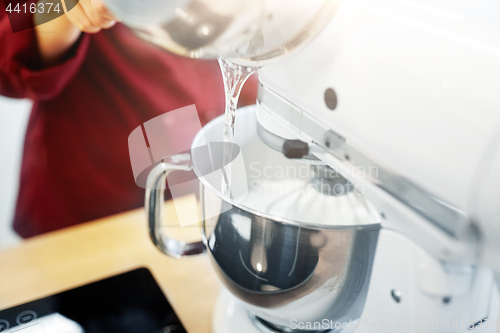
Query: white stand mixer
[[401, 87], [401, 98]]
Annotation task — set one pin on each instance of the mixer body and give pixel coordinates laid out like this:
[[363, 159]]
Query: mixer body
[[400, 97]]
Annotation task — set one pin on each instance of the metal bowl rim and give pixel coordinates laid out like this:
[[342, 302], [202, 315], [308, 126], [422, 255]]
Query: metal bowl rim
[[307, 225]]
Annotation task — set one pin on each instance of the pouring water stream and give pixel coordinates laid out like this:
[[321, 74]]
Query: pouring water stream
[[234, 77]]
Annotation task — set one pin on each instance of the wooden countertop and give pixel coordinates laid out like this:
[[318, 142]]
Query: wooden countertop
[[75, 256]]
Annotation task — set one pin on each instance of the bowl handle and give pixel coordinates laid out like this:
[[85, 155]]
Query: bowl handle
[[155, 198]]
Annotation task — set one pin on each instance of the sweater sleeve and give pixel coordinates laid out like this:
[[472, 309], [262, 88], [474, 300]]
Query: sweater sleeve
[[21, 72]]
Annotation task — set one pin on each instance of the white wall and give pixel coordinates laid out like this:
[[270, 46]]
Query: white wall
[[13, 120]]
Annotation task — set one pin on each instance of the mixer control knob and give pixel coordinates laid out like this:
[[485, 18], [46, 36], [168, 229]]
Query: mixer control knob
[[295, 149]]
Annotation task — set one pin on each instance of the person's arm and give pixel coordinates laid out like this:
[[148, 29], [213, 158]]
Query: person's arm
[[56, 37], [39, 63]]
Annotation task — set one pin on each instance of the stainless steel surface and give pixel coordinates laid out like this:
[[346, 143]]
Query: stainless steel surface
[[280, 261], [271, 265], [276, 251], [279, 188], [154, 204], [329, 182], [247, 32]]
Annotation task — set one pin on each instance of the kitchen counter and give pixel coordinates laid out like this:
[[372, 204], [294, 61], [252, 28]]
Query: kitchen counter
[[65, 259]]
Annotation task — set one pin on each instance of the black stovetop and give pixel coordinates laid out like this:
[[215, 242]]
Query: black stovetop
[[126, 303]]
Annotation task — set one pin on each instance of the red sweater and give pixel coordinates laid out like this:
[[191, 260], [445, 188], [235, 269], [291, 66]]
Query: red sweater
[[76, 165]]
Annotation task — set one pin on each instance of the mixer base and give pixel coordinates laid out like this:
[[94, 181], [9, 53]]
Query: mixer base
[[230, 316], [473, 301]]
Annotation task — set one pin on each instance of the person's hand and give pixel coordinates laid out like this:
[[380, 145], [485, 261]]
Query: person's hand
[[89, 15], [59, 33]]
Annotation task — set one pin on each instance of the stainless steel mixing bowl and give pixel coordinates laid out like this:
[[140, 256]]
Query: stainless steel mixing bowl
[[279, 252]]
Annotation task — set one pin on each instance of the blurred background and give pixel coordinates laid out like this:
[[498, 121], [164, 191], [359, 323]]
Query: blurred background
[[14, 114]]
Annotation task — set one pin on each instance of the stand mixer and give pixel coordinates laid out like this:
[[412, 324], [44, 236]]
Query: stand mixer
[[399, 99]]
